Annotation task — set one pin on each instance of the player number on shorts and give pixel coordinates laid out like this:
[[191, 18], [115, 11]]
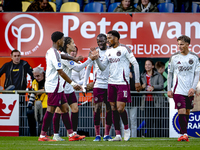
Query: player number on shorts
[[125, 93]]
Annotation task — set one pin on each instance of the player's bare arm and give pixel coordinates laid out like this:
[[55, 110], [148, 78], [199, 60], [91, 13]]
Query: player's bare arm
[[76, 59], [170, 94], [66, 78], [191, 92]]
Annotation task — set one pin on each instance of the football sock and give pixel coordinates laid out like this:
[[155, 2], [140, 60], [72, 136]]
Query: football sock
[[116, 121], [97, 129], [108, 122], [74, 118], [56, 122], [124, 118], [183, 123], [97, 122], [46, 122], [67, 122]]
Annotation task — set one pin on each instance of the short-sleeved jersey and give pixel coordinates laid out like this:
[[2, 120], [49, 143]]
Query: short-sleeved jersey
[[118, 60], [53, 62], [183, 68], [100, 77], [68, 65]]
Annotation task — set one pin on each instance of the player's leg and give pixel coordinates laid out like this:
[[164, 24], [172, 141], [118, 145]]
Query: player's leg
[[56, 124], [97, 111], [72, 101], [66, 120], [98, 97], [112, 98], [46, 123], [180, 104], [124, 96], [108, 121]]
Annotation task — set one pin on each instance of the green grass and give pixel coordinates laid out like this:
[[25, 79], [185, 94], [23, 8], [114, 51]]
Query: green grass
[[25, 143]]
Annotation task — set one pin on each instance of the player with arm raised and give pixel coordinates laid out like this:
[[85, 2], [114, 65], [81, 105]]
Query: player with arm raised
[[100, 90], [68, 66], [117, 58], [184, 67], [54, 88]]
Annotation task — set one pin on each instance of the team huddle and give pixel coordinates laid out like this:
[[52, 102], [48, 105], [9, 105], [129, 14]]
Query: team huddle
[[110, 61]]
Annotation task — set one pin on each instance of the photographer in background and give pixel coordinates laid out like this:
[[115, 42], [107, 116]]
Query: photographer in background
[[38, 100]]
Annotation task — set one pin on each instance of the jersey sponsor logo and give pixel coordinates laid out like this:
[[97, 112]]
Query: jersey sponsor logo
[[193, 128], [71, 62], [181, 68], [118, 53], [25, 29], [114, 60], [59, 64], [168, 66], [191, 61]]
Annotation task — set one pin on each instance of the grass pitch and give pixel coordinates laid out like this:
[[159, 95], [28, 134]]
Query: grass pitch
[[26, 143]]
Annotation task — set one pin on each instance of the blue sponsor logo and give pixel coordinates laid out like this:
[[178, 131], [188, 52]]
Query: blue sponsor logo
[[71, 62], [168, 66], [59, 64], [193, 128]]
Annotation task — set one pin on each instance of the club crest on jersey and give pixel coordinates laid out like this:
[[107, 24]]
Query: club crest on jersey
[[71, 62], [178, 62], [191, 61], [109, 55], [59, 64], [118, 53]]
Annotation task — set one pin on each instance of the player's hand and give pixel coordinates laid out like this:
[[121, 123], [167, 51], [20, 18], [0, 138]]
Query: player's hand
[[191, 92], [79, 58], [170, 94], [90, 86], [76, 86], [150, 88], [94, 55], [137, 87]]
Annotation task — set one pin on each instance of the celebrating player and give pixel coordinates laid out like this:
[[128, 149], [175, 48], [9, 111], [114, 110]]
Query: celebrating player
[[117, 58], [184, 65], [100, 90]]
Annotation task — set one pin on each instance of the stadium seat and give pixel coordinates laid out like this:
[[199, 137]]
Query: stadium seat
[[195, 8], [94, 7], [25, 5], [166, 7], [53, 5], [70, 7], [113, 6]]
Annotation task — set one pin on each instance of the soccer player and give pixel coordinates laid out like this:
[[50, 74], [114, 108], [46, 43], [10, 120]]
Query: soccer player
[[100, 90], [117, 58], [68, 66], [56, 97], [184, 65]]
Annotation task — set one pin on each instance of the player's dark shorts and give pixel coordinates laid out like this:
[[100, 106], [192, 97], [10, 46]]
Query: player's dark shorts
[[100, 95], [71, 98], [119, 93], [56, 99], [182, 101]]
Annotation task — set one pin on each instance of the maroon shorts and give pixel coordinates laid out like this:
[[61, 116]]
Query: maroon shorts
[[71, 98], [56, 99], [182, 101], [119, 93], [100, 95]]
